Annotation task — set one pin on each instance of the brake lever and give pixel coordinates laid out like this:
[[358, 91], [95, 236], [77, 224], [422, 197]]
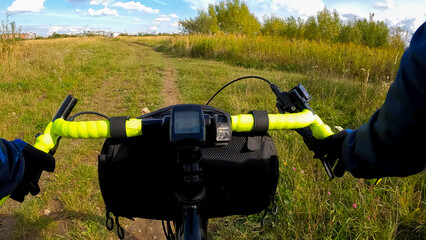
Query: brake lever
[[63, 112], [295, 101]]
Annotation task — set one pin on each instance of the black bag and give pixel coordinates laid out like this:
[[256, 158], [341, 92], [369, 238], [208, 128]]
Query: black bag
[[138, 175]]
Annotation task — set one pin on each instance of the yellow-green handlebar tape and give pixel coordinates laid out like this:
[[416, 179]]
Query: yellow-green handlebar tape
[[319, 129], [290, 121], [84, 129], [242, 122], [133, 127], [245, 122], [46, 141], [3, 200], [94, 129]]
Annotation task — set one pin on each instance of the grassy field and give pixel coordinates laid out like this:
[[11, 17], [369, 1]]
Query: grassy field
[[266, 52], [122, 76]]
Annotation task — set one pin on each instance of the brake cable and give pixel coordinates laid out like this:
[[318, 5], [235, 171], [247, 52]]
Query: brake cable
[[236, 80], [86, 112]]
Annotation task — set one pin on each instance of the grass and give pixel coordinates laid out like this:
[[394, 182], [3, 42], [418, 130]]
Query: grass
[[120, 77], [307, 211], [106, 76], [341, 60]]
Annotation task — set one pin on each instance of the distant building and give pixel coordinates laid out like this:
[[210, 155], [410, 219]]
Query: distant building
[[23, 36], [101, 33], [30, 35]]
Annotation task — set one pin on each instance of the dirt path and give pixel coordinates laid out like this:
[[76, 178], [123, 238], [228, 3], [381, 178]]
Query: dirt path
[[145, 228], [110, 94], [170, 88]]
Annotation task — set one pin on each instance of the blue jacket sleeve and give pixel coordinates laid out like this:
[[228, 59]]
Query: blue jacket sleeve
[[11, 165], [392, 142]]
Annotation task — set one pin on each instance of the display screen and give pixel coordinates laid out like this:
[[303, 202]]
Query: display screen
[[187, 122]]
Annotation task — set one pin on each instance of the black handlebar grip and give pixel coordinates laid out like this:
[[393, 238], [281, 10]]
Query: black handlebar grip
[[66, 108], [327, 168]]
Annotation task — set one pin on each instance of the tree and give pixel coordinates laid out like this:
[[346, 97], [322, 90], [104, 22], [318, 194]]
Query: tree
[[203, 23], [349, 33], [328, 25], [292, 29], [231, 16], [396, 38], [234, 17], [373, 33], [273, 26], [310, 29], [214, 26]]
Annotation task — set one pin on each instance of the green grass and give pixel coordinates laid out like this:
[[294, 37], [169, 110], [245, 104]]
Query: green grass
[[346, 60], [120, 77], [106, 76], [307, 211]]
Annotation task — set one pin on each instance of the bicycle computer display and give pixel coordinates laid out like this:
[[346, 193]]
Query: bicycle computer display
[[187, 125], [186, 122]]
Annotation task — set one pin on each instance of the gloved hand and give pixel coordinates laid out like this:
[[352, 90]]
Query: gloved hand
[[329, 149], [36, 162]]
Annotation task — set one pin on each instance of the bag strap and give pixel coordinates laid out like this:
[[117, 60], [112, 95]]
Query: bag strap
[[118, 127], [110, 224], [261, 121]]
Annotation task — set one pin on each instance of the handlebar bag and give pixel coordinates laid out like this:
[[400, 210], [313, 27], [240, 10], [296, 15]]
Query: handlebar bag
[[138, 176]]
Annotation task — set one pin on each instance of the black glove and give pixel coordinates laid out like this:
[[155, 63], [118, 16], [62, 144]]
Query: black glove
[[329, 149], [36, 162]]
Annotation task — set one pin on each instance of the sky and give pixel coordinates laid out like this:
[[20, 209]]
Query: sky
[[44, 17]]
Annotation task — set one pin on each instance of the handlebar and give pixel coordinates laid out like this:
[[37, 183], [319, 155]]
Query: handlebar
[[296, 114], [48, 141], [306, 118], [133, 127], [94, 129], [66, 107]]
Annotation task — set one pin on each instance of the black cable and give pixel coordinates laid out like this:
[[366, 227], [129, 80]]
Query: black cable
[[86, 112], [165, 231], [168, 232], [236, 80], [169, 226]]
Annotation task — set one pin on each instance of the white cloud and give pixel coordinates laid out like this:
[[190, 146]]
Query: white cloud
[[199, 4], [173, 15], [22, 6], [160, 2], [132, 5], [409, 16], [385, 5], [175, 23], [137, 21], [105, 3], [162, 18], [102, 12], [407, 24], [64, 29], [303, 8], [350, 10], [54, 29], [152, 28]]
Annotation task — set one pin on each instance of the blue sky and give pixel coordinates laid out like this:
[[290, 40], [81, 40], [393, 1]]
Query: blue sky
[[70, 16]]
